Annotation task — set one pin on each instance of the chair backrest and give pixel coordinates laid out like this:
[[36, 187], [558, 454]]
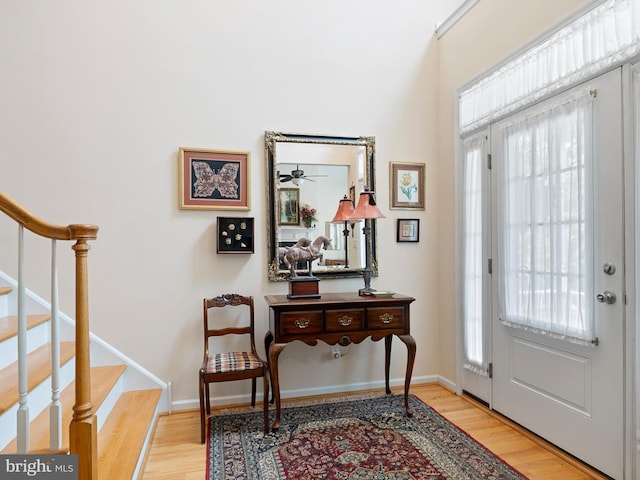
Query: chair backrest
[[228, 300]]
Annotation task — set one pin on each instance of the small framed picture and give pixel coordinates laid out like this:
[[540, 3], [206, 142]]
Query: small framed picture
[[288, 206], [407, 186], [408, 230], [235, 235], [214, 179]]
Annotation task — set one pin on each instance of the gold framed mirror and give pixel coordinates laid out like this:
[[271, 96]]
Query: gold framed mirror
[[307, 177]]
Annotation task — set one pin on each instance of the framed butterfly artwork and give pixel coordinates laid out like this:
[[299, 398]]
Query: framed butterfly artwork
[[214, 179]]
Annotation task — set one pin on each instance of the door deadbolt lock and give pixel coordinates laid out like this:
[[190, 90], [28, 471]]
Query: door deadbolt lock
[[609, 268], [606, 297]]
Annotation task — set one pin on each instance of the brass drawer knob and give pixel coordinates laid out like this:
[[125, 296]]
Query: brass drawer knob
[[386, 318], [302, 322], [345, 321]]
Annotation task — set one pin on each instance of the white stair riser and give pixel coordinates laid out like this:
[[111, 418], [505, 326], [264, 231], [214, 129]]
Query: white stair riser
[[8, 425], [4, 306], [31, 306], [36, 337], [39, 399], [107, 405]]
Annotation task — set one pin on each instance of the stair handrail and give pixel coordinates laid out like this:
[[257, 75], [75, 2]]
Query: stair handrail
[[83, 427], [46, 229]]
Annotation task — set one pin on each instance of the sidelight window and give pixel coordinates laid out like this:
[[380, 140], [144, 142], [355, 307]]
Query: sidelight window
[[474, 264]]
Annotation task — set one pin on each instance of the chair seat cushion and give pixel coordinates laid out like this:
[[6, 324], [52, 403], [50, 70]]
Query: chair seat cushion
[[233, 362]]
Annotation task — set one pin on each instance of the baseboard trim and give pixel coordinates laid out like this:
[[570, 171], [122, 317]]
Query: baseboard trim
[[191, 404]]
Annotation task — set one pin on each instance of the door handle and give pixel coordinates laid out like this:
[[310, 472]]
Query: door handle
[[606, 297]]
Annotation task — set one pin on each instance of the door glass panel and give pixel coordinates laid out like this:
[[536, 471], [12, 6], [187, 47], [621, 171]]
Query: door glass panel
[[544, 209]]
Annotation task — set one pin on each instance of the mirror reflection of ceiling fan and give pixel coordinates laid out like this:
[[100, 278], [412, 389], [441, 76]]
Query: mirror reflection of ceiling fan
[[297, 176]]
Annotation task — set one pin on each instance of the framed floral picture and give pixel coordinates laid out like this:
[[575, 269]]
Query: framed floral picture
[[407, 186], [408, 230], [214, 179], [288, 206]]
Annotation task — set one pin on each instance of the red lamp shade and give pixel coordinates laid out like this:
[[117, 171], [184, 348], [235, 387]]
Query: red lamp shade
[[367, 208], [345, 210]]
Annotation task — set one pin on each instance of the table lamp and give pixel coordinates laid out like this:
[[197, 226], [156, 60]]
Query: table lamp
[[345, 210], [366, 210]]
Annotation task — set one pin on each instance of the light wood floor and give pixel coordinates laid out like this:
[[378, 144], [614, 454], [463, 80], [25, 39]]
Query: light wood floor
[[176, 452]]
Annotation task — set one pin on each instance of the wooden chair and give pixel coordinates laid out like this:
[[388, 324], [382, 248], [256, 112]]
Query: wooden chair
[[228, 366]]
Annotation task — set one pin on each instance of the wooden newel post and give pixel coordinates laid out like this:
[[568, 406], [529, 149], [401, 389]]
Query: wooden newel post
[[83, 439]]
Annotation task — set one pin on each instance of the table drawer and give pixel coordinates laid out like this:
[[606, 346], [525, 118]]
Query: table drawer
[[301, 322], [344, 320], [385, 317]]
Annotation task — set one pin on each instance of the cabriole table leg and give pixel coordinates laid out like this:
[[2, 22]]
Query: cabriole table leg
[[410, 342], [274, 352]]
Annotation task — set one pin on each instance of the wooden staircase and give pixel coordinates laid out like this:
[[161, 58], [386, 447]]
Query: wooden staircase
[[125, 418], [106, 412]]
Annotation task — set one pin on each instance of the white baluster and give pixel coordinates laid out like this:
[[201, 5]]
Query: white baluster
[[55, 410], [23, 408]]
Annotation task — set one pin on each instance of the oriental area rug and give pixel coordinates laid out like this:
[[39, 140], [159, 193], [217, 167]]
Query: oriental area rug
[[364, 439]]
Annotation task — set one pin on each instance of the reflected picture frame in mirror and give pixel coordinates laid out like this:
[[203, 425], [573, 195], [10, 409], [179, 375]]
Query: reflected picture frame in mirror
[[306, 162], [288, 206]]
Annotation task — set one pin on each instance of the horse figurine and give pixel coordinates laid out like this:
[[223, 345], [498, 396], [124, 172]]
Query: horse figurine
[[308, 254], [303, 242]]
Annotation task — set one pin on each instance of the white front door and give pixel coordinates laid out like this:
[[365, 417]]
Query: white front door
[[560, 257]]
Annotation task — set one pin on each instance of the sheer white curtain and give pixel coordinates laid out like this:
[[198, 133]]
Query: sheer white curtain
[[545, 219], [473, 263], [604, 36]]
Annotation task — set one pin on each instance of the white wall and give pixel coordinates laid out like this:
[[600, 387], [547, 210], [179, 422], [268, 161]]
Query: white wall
[[97, 97]]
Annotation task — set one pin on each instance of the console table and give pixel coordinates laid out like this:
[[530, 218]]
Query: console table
[[338, 318]]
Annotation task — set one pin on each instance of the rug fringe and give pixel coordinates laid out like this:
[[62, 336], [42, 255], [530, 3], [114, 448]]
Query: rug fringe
[[300, 402]]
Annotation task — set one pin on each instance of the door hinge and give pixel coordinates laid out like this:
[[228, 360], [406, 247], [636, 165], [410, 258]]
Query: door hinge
[[490, 266], [490, 370], [489, 161]]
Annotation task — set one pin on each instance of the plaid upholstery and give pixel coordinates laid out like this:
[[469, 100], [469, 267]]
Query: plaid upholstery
[[233, 362]]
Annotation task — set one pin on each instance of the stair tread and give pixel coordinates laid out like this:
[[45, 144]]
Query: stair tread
[[5, 290], [38, 368], [122, 437], [102, 381], [9, 325]]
